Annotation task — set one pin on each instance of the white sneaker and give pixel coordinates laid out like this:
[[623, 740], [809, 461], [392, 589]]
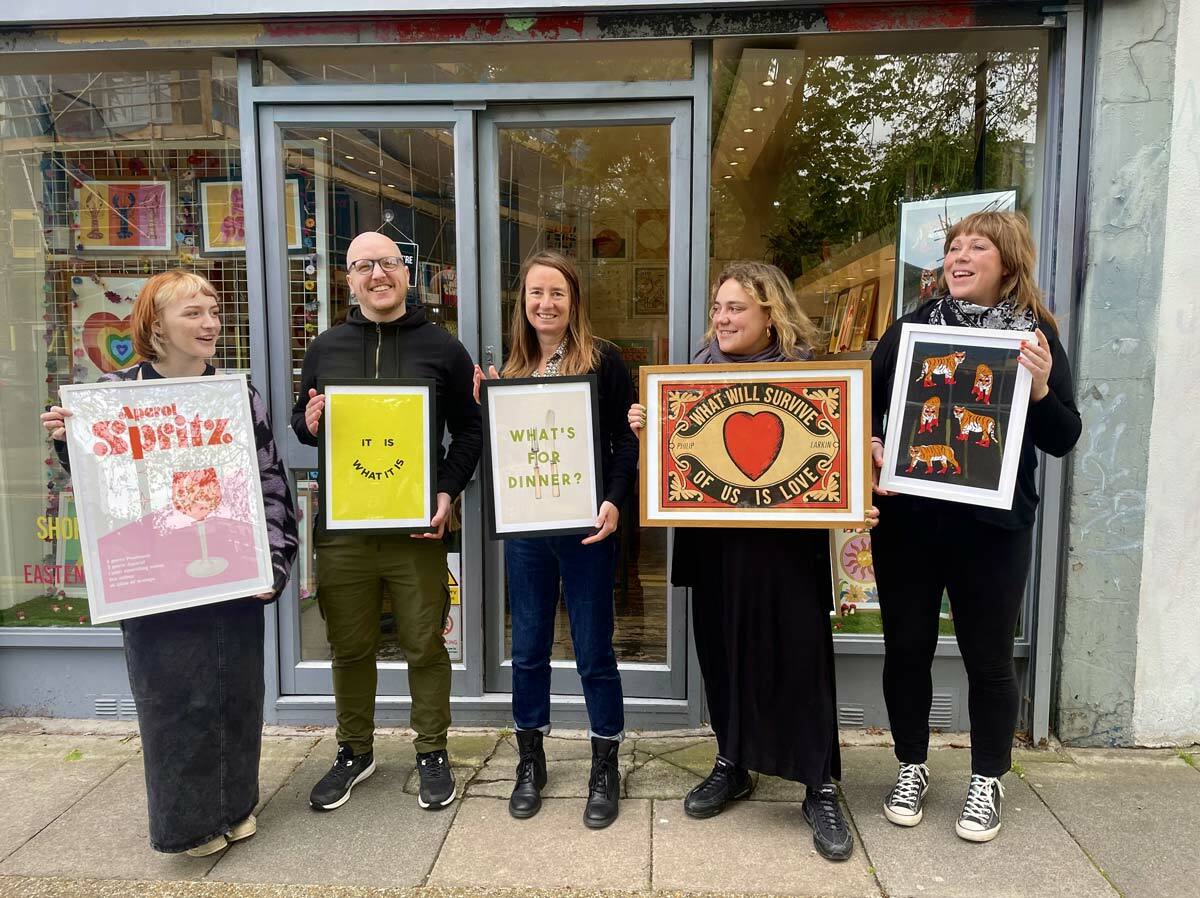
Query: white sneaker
[[980, 818], [903, 805], [243, 830], [212, 846]]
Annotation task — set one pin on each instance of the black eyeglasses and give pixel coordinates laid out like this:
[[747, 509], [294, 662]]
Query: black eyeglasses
[[366, 266]]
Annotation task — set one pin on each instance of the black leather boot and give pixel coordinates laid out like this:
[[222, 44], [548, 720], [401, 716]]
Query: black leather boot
[[526, 799], [604, 785]]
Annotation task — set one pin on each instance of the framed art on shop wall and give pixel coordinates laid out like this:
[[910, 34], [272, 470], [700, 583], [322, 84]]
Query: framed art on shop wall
[[124, 216], [650, 298], [102, 325], [651, 235], [957, 418], [222, 216], [754, 445], [609, 236]]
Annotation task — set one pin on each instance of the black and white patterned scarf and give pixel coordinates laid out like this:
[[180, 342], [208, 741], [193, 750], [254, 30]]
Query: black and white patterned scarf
[[1004, 315], [552, 363]]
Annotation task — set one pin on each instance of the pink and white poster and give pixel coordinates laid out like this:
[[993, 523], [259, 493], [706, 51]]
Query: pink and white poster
[[169, 502]]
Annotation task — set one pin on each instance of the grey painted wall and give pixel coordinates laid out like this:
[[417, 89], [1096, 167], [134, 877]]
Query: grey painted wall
[[1115, 364]]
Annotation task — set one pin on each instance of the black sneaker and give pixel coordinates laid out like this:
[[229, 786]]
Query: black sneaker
[[348, 769], [726, 783], [903, 805], [831, 835], [437, 780], [980, 818]]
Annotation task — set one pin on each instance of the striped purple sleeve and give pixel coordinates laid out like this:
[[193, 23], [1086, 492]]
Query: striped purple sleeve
[[277, 496]]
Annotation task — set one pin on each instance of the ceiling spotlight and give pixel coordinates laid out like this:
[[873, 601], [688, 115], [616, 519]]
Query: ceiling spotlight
[[727, 177], [323, 137], [735, 162], [747, 130], [349, 157], [372, 172], [739, 149], [391, 185], [868, 269], [776, 203], [768, 83], [757, 109]]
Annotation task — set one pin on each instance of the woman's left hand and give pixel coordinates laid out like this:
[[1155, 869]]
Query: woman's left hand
[[265, 596], [606, 523], [872, 517], [1037, 358]]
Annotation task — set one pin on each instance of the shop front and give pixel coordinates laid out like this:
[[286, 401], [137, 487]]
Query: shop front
[[652, 149]]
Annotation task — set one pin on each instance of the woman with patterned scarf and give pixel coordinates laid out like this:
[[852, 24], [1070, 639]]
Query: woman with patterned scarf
[[979, 556]]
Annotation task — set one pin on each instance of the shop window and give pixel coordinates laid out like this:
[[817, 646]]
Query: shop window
[[499, 63], [78, 149], [817, 140]]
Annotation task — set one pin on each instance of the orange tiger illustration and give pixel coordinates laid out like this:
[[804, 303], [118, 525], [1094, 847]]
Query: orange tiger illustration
[[945, 365], [931, 454], [982, 391], [969, 422], [930, 412]]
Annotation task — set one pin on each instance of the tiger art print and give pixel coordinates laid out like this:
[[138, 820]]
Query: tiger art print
[[929, 455], [931, 411], [944, 365], [969, 422], [982, 390]]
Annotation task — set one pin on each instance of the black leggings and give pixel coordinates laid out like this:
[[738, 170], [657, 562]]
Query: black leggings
[[919, 551]]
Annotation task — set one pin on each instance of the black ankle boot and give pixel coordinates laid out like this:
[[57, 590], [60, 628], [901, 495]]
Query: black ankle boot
[[604, 785], [526, 799]]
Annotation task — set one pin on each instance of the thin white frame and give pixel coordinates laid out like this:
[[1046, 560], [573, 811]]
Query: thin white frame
[[989, 338], [78, 440]]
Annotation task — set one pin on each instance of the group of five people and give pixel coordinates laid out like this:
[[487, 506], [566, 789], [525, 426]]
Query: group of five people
[[760, 596]]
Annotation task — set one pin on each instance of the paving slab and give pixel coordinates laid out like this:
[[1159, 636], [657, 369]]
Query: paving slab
[[753, 846], [550, 850], [41, 776], [696, 757], [1032, 855], [657, 778], [1135, 812], [379, 838]]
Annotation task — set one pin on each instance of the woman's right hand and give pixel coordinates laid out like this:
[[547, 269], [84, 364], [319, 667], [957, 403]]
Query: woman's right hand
[[313, 411], [479, 378], [877, 466], [55, 422], [637, 417]]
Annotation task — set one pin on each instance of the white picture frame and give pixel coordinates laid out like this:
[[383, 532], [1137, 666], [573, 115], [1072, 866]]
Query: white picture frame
[[952, 472]]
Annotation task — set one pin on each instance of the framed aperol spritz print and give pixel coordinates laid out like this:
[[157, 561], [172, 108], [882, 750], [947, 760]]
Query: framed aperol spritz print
[[957, 415], [756, 445], [167, 494]]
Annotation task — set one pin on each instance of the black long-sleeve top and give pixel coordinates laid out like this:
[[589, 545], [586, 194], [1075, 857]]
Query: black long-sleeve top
[[410, 346], [1052, 424], [618, 444]]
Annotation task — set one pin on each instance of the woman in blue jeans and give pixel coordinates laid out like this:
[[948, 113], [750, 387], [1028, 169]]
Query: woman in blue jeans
[[550, 335]]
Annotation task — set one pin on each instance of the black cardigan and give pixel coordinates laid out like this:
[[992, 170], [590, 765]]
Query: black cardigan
[[1051, 424], [618, 444]]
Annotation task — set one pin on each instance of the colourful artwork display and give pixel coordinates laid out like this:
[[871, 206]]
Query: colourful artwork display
[[541, 461], [756, 445], [101, 327], [853, 571], [377, 455], [124, 215], [650, 298], [223, 222], [167, 493], [957, 416], [609, 231]]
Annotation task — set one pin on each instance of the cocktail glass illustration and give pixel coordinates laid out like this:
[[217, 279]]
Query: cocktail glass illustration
[[197, 494]]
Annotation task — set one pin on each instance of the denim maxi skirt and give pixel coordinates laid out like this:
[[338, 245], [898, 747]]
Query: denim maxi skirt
[[197, 680]]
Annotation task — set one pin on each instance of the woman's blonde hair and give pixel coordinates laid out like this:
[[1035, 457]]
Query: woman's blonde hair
[[581, 354], [770, 288], [1009, 232], [161, 290]]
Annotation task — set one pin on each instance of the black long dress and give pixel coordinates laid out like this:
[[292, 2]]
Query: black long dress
[[760, 614]]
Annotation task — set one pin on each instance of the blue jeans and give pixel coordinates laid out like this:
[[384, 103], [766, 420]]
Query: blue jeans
[[535, 567]]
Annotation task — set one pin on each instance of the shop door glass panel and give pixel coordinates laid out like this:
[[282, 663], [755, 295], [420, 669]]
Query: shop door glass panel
[[600, 195]]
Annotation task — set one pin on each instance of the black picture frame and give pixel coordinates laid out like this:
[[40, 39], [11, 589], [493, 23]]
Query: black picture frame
[[327, 492], [550, 526]]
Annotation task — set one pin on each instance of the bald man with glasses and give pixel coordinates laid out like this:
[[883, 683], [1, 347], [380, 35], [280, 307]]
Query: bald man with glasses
[[381, 338]]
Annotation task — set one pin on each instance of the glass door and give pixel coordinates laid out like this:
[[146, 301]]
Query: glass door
[[329, 173], [607, 185]]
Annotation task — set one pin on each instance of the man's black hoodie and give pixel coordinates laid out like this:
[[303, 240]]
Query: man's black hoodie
[[408, 347]]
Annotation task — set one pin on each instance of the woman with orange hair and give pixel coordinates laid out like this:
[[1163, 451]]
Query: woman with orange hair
[[983, 554], [197, 674]]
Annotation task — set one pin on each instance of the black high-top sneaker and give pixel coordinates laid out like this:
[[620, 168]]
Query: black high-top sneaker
[[526, 798], [980, 818], [831, 834], [348, 770], [726, 783], [604, 785], [437, 780], [904, 804]]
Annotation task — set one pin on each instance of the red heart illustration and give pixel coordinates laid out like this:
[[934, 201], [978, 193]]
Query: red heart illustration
[[753, 441]]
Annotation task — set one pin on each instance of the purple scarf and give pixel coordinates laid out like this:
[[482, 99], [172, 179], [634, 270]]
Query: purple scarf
[[712, 355]]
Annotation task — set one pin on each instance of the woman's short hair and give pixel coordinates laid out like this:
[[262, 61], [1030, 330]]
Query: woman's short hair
[[159, 292]]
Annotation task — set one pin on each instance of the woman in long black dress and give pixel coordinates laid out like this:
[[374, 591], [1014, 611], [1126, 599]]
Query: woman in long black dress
[[197, 674], [761, 600]]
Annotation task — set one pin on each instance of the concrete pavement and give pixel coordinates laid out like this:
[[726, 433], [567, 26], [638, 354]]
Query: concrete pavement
[[1077, 823]]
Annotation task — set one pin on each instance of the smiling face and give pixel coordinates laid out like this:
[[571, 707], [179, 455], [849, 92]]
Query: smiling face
[[973, 269], [547, 303], [380, 293], [188, 328], [740, 323]]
